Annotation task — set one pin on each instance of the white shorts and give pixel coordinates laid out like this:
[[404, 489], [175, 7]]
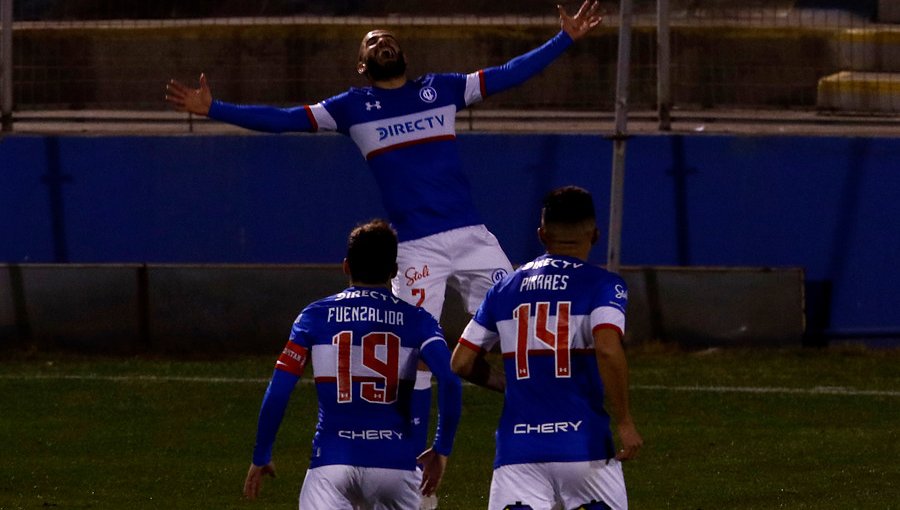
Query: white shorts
[[341, 487], [469, 259], [559, 485]]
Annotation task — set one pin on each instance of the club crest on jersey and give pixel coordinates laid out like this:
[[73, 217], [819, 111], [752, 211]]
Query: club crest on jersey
[[428, 94], [498, 275], [376, 105], [413, 274]]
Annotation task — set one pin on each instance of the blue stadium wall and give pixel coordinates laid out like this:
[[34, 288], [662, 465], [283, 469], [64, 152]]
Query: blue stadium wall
[[829, 205]]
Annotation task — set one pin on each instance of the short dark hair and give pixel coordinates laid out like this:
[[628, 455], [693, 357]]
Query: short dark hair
[[372, 252], [569, 205]]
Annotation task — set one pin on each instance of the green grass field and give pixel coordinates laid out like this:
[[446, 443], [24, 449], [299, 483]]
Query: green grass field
[[723, 430]]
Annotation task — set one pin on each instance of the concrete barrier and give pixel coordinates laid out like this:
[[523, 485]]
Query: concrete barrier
[[850, 91], [869, 49], [215, 310]]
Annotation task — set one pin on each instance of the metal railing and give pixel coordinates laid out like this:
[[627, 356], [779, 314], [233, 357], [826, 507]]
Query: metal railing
[[752, 55]]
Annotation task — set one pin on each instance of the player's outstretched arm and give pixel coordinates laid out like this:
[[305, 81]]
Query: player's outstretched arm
[[186, 99], [269, 119], [518, 70], [253, 482], [586, 19], [614, 372]]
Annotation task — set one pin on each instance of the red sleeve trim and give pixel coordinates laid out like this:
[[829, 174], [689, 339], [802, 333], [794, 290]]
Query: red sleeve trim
[[470, 345], [312, 118], [292, 359], [481, 84]]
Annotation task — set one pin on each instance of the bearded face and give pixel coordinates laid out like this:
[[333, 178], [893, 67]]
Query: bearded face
[[380, 67], [382, 57]]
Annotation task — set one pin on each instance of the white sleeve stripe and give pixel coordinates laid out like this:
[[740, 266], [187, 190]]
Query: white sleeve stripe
[[473, 88], [324, 119], [608, 315]]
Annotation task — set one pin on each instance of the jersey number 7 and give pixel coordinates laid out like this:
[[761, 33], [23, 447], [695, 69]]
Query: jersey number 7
[[378, 389], [557, 340]]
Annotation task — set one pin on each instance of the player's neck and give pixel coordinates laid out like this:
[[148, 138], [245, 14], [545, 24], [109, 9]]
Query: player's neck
[[385, 285], [579, 251], [390, 83]]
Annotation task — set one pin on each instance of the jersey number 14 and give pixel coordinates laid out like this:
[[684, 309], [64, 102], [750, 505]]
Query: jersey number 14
[[557, 340]]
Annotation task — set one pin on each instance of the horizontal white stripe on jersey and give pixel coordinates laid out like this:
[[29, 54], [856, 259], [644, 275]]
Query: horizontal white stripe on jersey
[[324, 119], [381, 135], [474, 82], [479, 336], [580, 331], [324, 360], [608, 315]]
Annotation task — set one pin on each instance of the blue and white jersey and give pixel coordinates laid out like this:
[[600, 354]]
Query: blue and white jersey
[[407, 135], [364, 344], [544, 316]]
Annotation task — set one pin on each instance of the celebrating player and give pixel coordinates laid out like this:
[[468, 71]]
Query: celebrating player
[[559, 322], [406, 131], [364, 344]]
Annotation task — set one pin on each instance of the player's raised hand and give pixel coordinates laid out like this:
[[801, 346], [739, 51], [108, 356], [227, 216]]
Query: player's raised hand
[[186, 99], [433, 466], [587, 17], [254, 479]]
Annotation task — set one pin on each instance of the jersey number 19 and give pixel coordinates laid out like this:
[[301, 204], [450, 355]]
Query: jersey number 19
[[378, 389]]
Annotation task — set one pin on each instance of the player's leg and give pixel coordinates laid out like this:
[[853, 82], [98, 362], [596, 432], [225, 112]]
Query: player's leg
[[592, 485], [521, 487], [389, 489], [478, 263], [327, 487], [422, 270]]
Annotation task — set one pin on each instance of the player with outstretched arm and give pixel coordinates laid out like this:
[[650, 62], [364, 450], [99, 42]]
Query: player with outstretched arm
[[559, 322], [405, 129], [364, 344]]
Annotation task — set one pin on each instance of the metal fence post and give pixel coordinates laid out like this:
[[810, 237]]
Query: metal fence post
[[617, 184], [6, 64], [663, 66]]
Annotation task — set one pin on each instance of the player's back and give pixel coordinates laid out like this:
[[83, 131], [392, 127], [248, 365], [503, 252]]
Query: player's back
[[545, 314], [364, 346]]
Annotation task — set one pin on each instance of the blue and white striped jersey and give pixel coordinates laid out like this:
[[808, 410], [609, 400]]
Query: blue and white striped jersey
[[544, 316], [364, 344], [407, 135]]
